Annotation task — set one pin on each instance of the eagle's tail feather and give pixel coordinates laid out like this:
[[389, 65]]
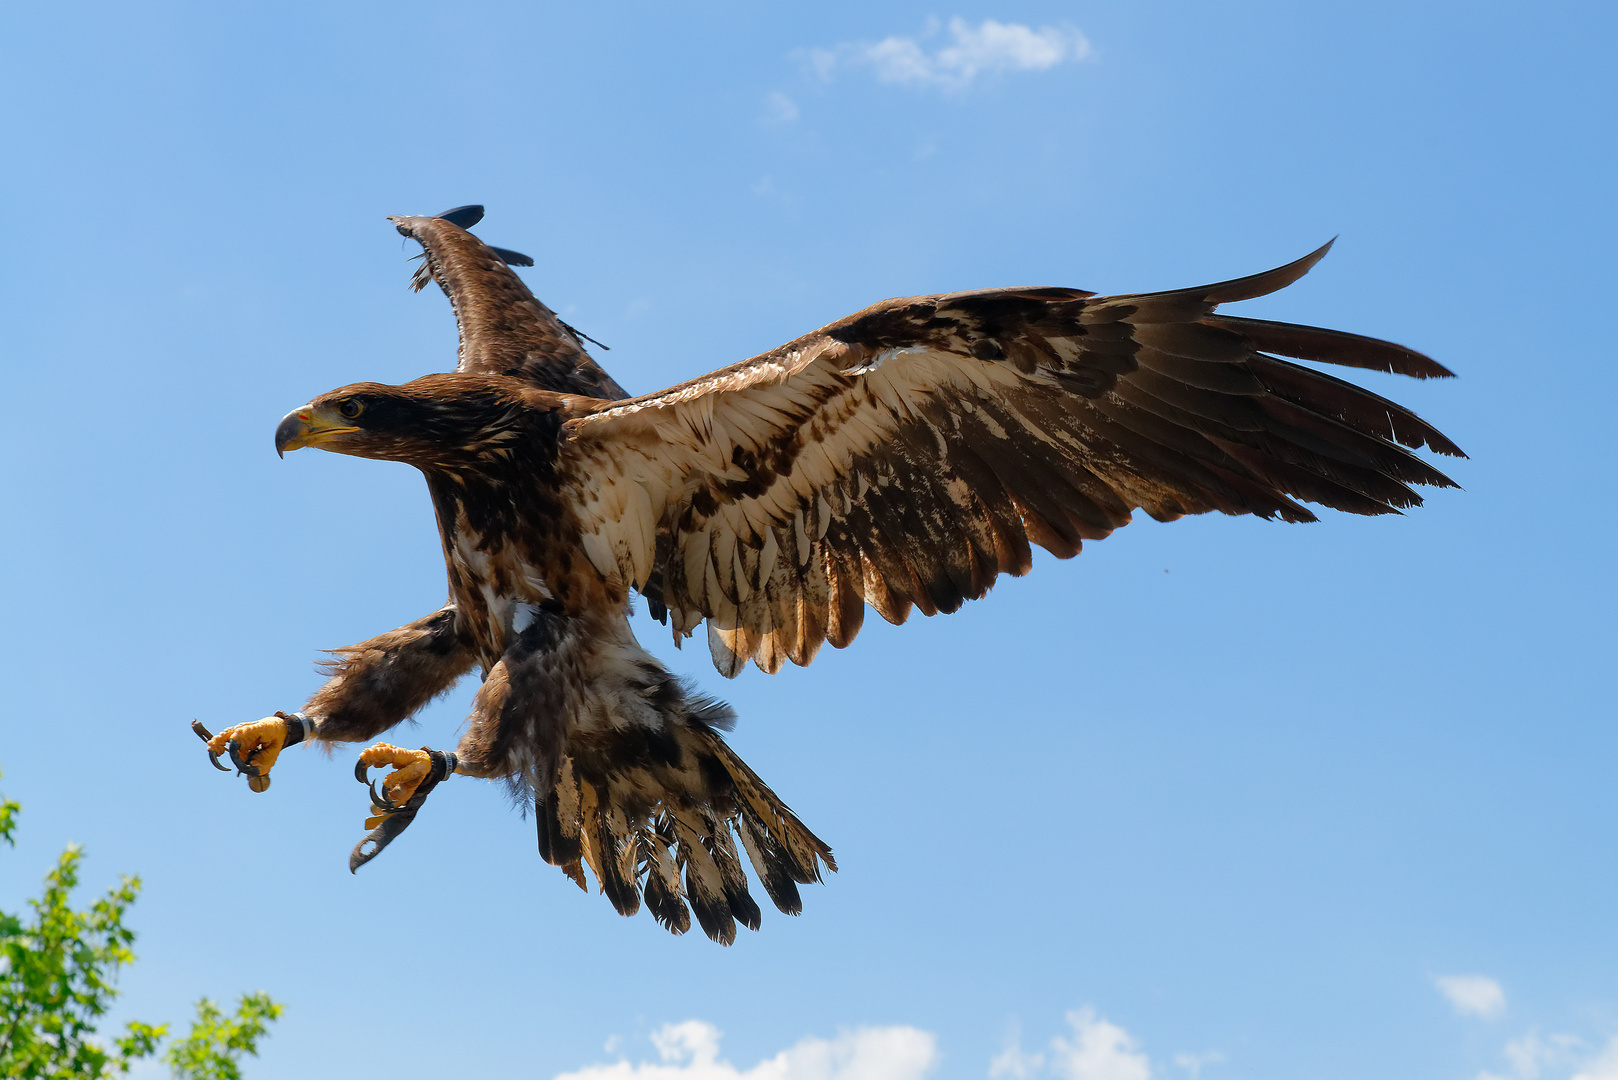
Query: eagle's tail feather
[[771, 865], [732, 878], [664, 897], [704, 880], [619, 848], [801, 849], [663, 832]]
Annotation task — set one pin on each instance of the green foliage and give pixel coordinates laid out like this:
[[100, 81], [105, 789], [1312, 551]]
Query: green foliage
[[216, 1041], [56, 981], [8, 820]]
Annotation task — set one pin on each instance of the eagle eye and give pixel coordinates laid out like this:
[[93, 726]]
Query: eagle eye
[[349, 408]]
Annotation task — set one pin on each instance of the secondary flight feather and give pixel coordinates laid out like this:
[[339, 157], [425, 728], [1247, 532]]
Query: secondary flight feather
[[901, 458]]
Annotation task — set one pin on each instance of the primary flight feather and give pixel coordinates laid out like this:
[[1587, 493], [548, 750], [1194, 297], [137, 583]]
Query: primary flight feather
[[903, 457]]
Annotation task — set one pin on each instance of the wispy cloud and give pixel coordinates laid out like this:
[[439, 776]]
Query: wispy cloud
[[1014, 1063], [1193, 1063], [779, 109], [1090, 1048], [1473, 995], [1535, 1055], [1097, 1050], [1556, 1055], [990, 47], [1532, 1054], [1604, 1066], [690, 1051]]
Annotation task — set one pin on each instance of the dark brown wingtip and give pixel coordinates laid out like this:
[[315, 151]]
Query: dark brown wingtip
[[463, 216], [1245, 288], [512, 258], [1331, 347]]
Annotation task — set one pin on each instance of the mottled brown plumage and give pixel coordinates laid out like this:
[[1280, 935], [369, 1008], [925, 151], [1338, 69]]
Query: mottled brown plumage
[[505, 330], [903, 457], [909, 454]]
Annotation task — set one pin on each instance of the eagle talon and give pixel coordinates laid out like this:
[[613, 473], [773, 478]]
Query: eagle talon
[[379, 798], [412, 771], [244, 768], [254, 747], [207, 736], [382, 802], [416, 773]]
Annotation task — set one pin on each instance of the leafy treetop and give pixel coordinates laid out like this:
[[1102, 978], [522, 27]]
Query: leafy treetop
[[57, 975]]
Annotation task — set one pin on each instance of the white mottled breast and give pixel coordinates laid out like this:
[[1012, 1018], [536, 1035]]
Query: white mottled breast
[[508, 592]]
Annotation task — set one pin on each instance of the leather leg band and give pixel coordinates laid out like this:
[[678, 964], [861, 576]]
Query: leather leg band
[[444, 764], [298, 726]]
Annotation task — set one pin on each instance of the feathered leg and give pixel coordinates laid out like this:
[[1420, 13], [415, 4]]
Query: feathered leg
[[628, 774], [372, 686], [507, 735]]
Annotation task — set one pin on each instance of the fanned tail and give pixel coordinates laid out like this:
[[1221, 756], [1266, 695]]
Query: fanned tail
[[665, 830]]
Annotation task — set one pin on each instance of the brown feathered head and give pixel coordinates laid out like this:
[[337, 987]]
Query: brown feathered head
[[445, 421]]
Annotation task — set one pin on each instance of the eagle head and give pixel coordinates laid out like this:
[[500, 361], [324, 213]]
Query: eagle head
[[438, 421]]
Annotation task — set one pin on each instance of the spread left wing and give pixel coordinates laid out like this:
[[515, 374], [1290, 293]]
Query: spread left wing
[[505, 330], [908, 455]]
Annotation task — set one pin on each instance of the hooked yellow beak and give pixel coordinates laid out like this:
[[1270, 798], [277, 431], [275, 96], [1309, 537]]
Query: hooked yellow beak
[[308, 426]]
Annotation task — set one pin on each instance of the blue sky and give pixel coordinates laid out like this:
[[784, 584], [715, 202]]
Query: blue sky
[[1217, 799]]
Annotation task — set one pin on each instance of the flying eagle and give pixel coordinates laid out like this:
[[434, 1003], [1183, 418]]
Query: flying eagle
[[903, 458]]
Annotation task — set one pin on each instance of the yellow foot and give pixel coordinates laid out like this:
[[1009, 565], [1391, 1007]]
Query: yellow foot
[[411, 767], [404, 790], [258, 745]]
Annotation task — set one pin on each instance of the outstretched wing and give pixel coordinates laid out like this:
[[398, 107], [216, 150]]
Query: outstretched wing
[[909, 454], [504, 329]]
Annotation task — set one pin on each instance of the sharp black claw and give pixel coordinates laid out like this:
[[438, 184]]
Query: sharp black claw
[[378, 800], [395, 818], [207, 736], [383, 803], [245, 768]]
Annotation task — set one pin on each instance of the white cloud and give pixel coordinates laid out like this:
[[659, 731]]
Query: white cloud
[[1092, 1048], [990, 47], [1604, 1066], [1193, 1063], [1098, 1050], [1555, 1055], [1532, 1053], [1014, 1062], [690, 1051], [779, 109], [1473, 995]]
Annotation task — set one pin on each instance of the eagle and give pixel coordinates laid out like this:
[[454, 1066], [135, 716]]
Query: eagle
[[899, 459]]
